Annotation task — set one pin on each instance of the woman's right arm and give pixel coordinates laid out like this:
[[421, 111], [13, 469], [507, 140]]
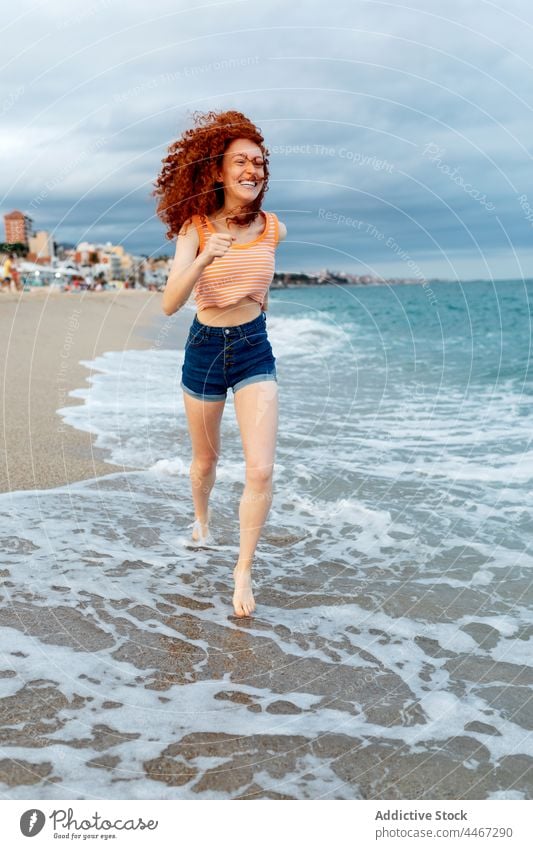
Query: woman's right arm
[[185, 270]]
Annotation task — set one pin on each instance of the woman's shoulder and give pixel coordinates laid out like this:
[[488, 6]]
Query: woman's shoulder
[[191, 230], [192, 223], [279, 227]]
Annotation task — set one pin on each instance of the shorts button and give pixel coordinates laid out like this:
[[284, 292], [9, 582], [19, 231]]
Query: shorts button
[[226, 331]]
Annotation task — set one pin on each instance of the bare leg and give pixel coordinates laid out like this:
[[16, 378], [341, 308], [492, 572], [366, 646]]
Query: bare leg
[[256, 406], [203, 419]]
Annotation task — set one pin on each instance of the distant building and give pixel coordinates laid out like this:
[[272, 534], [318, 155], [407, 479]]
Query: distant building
[[86, 253], [138, 270], [119, 260], [41, 247], [18, 227], [110, 259], [110, 264]]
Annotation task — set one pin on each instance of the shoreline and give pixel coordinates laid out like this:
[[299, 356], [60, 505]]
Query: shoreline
[[44, 336]]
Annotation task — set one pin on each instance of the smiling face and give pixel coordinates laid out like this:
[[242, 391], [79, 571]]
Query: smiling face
[[242, 173]]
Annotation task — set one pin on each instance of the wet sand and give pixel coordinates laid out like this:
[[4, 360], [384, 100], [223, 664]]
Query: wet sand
[[124, 673], [43, 337]]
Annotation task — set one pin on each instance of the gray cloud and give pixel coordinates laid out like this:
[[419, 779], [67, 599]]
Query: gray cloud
[[415, 121]]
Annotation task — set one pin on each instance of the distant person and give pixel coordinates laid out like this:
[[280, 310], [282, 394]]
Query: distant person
[[7, 281], [15, 274], [211, 189]]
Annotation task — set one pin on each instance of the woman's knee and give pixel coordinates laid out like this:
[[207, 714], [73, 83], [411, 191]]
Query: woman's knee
[[259, 476], [204, 464]]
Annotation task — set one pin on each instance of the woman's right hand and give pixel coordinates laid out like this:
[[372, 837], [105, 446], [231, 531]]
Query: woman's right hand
[[216, 246]]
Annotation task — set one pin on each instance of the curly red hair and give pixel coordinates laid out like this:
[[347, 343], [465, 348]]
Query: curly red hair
[[186, 183]]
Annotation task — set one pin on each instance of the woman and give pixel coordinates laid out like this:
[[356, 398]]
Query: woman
[[211, 188]]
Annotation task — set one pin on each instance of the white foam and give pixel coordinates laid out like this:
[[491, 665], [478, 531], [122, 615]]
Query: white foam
[[389, 505]]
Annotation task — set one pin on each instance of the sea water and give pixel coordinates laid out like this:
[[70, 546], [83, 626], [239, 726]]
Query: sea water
[[390, 653]]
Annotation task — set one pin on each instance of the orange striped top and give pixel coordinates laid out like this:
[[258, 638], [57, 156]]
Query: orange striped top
[[244, 271]]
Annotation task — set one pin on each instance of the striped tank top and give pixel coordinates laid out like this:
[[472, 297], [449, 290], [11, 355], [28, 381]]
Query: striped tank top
[[244, 271]]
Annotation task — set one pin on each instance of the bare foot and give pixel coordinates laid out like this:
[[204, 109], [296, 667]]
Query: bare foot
[[204, 524], [243, 599], [196, 532]]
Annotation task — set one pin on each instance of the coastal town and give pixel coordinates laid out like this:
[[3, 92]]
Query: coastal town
[[32, 258]]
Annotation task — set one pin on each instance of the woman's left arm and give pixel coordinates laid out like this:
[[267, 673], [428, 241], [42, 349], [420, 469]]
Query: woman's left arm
[[282, 235]]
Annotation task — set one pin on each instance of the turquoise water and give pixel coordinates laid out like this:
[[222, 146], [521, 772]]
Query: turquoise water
[[460, 334], [424, 403], [392, 643]]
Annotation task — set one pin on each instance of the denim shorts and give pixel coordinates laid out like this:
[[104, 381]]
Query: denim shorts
[[219, 357]]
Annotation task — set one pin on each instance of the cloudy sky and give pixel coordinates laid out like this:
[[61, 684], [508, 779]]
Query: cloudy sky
[[400, 134]]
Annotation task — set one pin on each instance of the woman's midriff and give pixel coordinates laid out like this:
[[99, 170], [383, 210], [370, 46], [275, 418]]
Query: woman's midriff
[[239, 313]]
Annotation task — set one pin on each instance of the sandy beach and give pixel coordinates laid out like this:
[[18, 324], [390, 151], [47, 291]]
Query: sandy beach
[[389, 656], [44, 335]]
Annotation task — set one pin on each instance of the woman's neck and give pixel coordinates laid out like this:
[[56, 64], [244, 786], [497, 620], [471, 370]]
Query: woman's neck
[[232, 212]]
